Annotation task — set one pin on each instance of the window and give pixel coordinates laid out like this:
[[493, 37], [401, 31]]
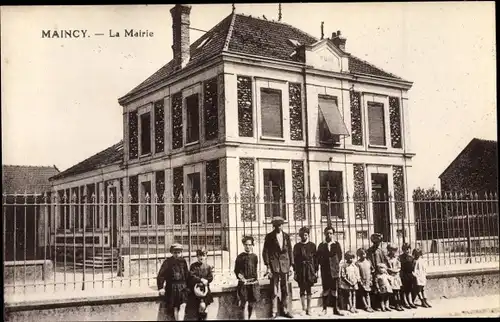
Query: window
[[271, 112], [193, 119], [376, 123], [91, 208], [145, 133], [145, 215], [274, 193], [331, 123], [331, 194], [194, 193]]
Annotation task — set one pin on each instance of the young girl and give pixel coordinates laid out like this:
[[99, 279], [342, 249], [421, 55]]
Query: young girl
[[201, 277], [306, 267], [349, 279], [394, 269], [383, 286], [172, 282], [245, 268], [420, 273], [366, 279], [407, 278]]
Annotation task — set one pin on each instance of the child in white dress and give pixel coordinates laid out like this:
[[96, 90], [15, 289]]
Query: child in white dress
[[383, 284], [420, 273], [394, 270], [349, 280]]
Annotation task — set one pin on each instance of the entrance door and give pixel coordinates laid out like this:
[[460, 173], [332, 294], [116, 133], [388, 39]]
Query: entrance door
[[381, 218], [114, 217]]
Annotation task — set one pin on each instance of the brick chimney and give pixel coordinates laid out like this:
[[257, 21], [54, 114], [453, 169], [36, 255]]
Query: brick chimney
[[338, 40], [180, 27]]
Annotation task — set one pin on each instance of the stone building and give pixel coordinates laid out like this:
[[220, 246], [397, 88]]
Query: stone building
[[253, 108], [475, 169]]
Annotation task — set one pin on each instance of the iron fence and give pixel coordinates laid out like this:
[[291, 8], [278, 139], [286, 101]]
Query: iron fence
[[53, 243]]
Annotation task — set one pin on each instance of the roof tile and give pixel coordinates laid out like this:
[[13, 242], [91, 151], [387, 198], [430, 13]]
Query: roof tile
[[26, 179], [108, 156]]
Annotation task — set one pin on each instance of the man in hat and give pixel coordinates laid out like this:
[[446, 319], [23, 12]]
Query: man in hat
[[329, 255], [278, 258], [376, 256]]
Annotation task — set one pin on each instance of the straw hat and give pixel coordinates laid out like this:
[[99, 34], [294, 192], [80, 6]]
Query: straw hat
[[278, 220], [200, 290]]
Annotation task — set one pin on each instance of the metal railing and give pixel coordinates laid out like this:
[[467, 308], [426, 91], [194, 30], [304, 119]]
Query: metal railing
[[54, 243]]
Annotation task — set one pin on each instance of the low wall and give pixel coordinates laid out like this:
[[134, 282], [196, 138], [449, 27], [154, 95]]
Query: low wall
[[30, 270], [147, 306]]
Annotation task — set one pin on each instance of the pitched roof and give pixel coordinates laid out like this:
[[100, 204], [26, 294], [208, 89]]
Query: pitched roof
[[30, 179], [108, 156], [488, 149], [238, 33]]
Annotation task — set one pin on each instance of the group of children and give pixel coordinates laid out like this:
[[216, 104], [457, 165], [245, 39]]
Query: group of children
[[391, 281], [386, 280]]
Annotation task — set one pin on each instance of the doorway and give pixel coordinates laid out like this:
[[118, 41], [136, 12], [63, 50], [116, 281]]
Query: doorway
[[381, 214]]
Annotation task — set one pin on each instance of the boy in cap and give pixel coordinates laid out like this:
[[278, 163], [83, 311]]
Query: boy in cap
[[245, 268], [278, 258], [202, 276], [376, 256], [172, 283]]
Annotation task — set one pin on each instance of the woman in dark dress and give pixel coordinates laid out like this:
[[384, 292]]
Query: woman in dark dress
[[245, 268], [200, 279], [172, 283], [407, 278], [306, 267]]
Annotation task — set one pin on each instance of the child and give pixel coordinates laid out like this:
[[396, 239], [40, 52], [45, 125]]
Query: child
[[349, 279], [407, 278], [366, 279], [306, 267], [420, 273], [245, 268], [201, 277], [172, 282], [376, 255], [394, 269], [383, 285]]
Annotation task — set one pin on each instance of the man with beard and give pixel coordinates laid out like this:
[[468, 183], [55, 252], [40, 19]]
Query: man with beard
[[277, 256], [329, 255]]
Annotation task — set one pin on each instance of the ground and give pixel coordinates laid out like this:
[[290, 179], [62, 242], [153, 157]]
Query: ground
[[484, 306]]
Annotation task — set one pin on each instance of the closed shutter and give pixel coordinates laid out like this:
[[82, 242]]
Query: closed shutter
[[376, 123], [271, 113]]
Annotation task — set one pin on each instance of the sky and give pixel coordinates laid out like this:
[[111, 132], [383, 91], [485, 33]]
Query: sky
[[60, 96]]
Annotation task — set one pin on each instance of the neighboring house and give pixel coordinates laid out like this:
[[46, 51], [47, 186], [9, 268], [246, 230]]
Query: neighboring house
[[253, 107], [475, 169], [25, 227]]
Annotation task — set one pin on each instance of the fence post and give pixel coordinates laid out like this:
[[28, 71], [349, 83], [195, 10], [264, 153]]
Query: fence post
[[469, 251]]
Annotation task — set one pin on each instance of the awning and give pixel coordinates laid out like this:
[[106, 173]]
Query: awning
[[329, 111]]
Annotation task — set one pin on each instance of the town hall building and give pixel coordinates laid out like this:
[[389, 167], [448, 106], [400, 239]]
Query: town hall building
[[252, 110]]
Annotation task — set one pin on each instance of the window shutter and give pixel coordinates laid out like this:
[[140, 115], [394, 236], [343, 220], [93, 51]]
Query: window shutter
[[376, 123], [271, 114]]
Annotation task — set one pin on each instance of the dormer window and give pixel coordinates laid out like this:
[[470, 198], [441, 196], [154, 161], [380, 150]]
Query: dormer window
[[203, 42]]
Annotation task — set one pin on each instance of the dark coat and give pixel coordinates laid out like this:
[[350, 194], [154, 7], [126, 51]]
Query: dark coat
[[329, 260], [277, 259], [376, 256]]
